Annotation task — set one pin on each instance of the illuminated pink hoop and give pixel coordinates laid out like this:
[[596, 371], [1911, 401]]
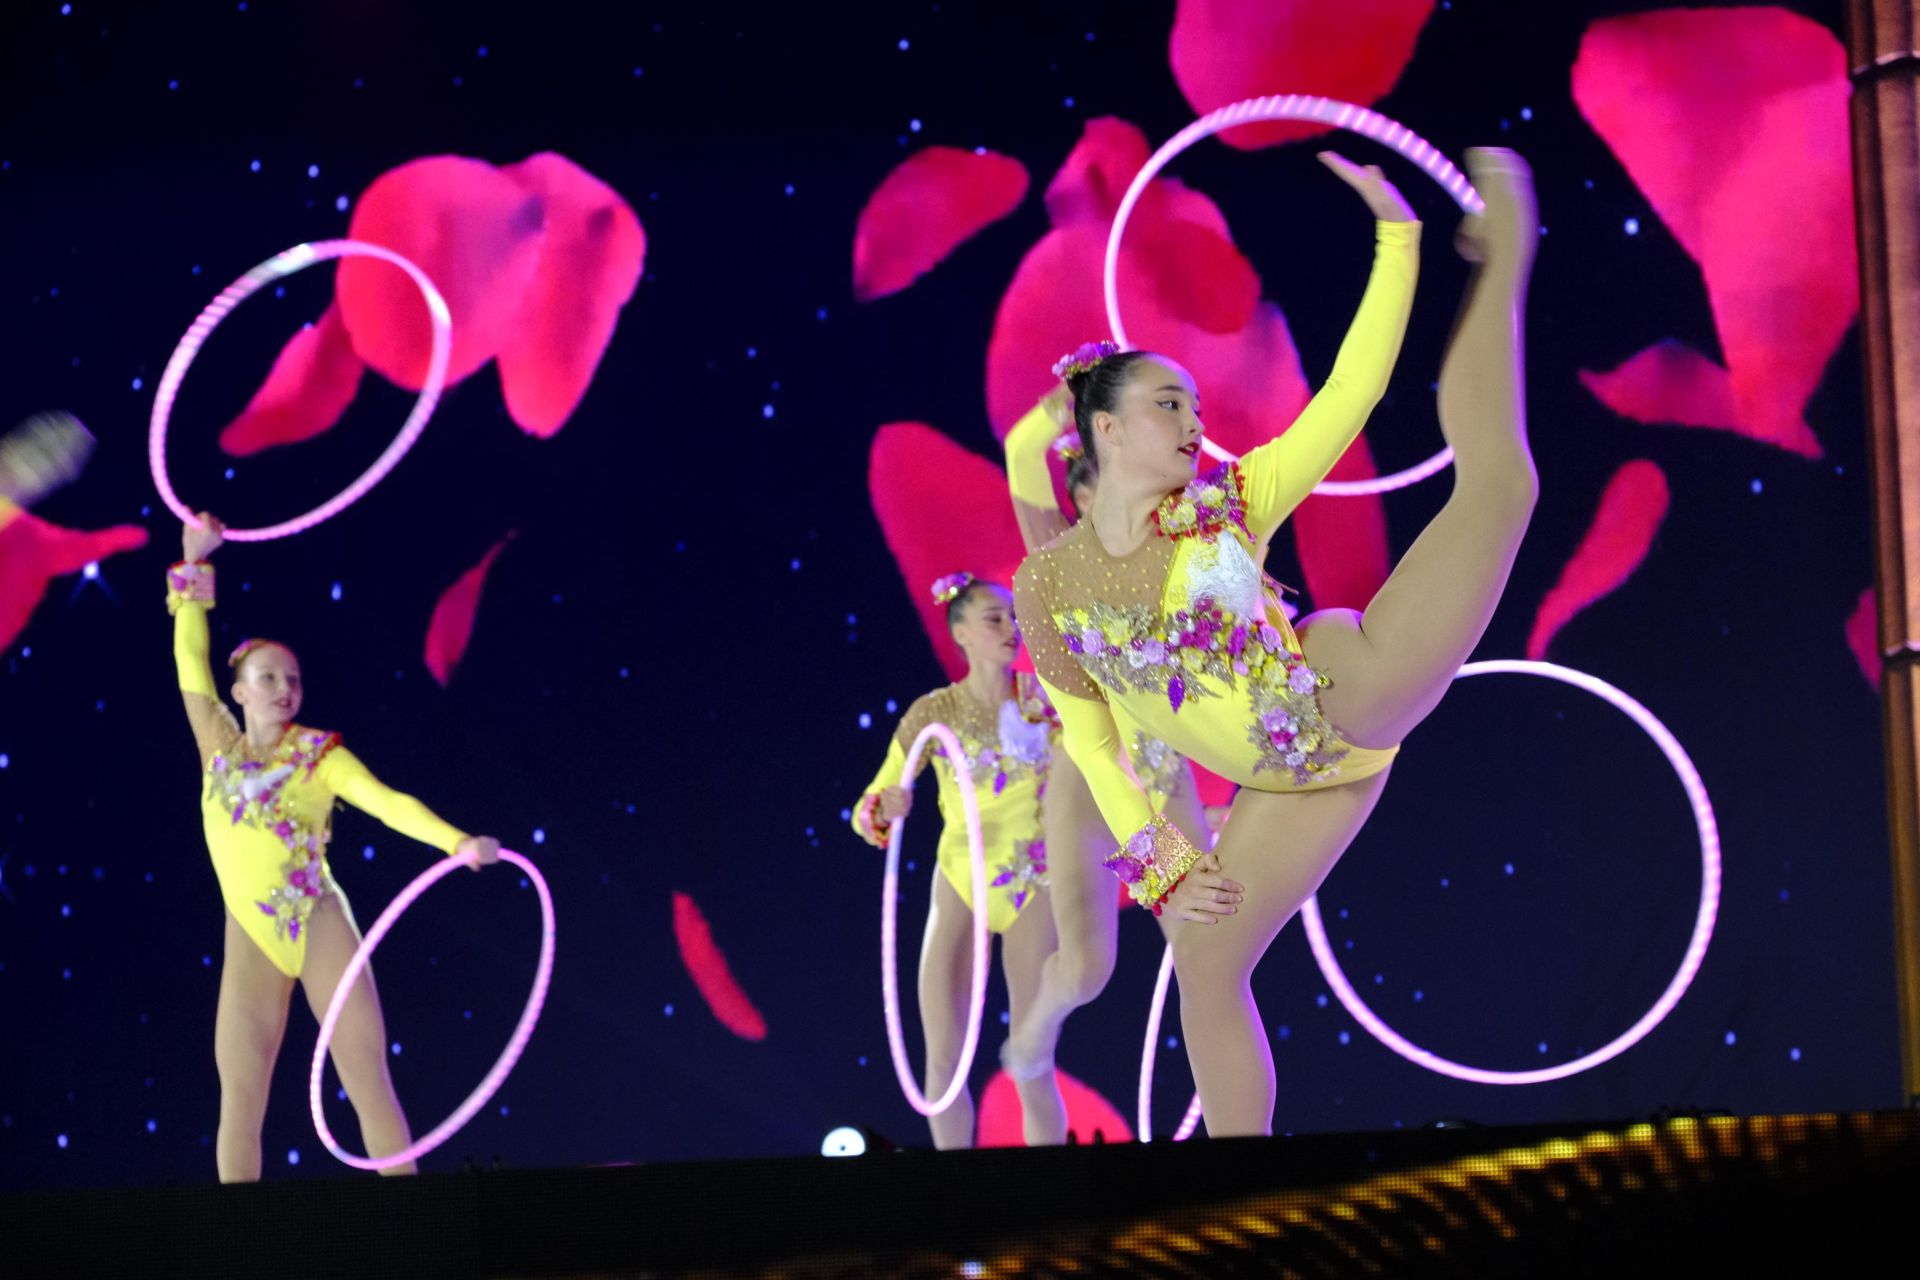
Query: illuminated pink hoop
[[278, 267], [1709, 832], [1295, 106], [1144, 1109], [522, 1031], [890, 928]]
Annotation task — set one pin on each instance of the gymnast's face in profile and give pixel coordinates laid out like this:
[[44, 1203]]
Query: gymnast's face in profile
[[267, 686], [1152, 434], [986, 631]]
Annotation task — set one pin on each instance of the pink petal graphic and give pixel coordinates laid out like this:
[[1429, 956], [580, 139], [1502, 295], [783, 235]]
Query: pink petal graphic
[[311, 384], [593, 253], [1184, 288], [930, 205], [1212, 788], [478, 235], [33, 553], [451, 627], [1863, 637], [1733, 123], [1087, 1113], [708, 968], [1631, 510], [1225, 50], [942, 509], [1670, 382]]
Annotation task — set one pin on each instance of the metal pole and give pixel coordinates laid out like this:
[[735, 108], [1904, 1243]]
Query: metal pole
[[1884, 61]]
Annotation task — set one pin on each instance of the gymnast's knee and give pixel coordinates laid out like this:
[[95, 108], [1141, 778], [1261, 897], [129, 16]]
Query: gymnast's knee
[[1083, 973]]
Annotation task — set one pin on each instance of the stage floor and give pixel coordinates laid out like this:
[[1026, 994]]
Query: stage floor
[[1829, 1195]]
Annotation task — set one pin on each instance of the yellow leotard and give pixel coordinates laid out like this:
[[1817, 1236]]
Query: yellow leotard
[[1008, 756], [267, 821], [1182, 640], [1160, 770]]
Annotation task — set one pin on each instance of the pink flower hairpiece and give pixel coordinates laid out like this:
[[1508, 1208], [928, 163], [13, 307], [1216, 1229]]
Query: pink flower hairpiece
[[1068, 448], [946, 589], [1083, 357], [245, 647]]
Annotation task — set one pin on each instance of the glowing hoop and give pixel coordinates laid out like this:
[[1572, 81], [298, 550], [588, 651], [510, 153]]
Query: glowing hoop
[[890, 927], [278, 267], [1144, 1109], [1704, 823], [543, 974], [1295, 106]]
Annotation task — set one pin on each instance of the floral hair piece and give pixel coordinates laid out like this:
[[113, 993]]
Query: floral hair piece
[[947, 589], [1083, 357], [245, 647], [1068, 448]]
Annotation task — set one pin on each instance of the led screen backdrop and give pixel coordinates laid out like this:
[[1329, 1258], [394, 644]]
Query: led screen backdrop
[[744, 301]]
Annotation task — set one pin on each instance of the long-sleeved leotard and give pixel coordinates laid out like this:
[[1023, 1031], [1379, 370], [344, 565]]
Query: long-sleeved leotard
[[1008, 755], [267, 822], [1182, 640]]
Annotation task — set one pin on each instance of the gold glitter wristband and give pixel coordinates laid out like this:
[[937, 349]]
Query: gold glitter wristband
[[189, 582], [1153, 862]]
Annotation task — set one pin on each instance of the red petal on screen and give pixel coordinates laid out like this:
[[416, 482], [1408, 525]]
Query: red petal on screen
[[1087, 1113], [1342, 541], [311, 384], [942, 509], [1225, 50], [451, 627], [1631, 510], [1054, 304], [475, 231], [33, 553], [1211, 788], [708, 967], [1184, 290], [593, 253], [1733, 123], [926, 208], [1094, 176], [1670, 382], [1863, 637]]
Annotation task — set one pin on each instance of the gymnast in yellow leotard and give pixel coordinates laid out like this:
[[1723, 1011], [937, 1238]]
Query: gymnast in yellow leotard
[[1007, 729], [266, 804], [1085, 908], [1151, 616]]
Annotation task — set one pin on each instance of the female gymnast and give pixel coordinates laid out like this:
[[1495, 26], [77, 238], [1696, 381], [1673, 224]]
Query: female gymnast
[[1149, 615], [267, 793], [1004, 723], [1085, 908]]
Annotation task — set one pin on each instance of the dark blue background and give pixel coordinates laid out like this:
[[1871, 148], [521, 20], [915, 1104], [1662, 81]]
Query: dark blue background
[[671, 661]]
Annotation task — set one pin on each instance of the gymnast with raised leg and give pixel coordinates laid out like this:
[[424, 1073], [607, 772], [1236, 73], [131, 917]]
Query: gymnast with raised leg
[[1149, 615], [1085, 907], [267, 794], [1007, 730]]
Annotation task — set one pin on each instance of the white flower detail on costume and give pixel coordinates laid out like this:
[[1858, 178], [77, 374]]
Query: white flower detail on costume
[[1022, 739], [1223, 572], [254, 785]]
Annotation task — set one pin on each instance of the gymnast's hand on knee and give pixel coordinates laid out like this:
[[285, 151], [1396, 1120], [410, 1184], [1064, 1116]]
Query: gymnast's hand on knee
[[483, 850], [1205, 895]]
